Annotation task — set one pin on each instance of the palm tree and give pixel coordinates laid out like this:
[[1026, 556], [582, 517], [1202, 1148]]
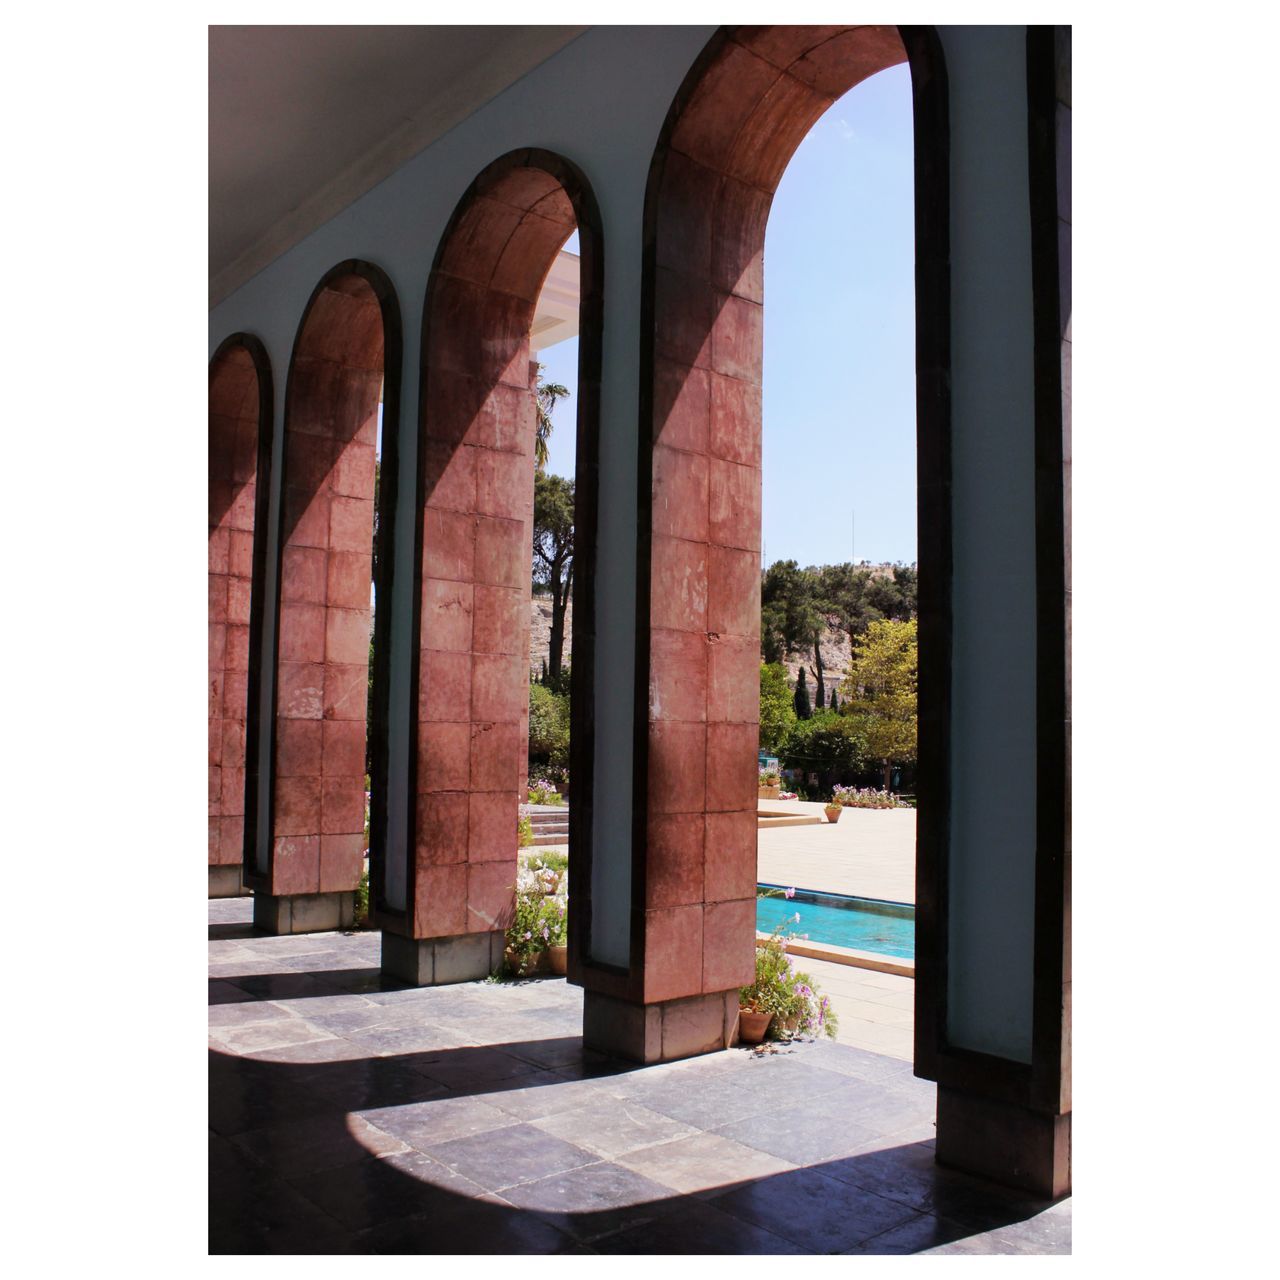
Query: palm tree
[[545, 397]]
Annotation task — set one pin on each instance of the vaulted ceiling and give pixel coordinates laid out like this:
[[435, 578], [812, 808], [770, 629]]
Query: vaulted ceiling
[[304, 120]]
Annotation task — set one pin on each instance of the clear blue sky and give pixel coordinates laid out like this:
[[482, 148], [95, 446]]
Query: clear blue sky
[[839, 339]]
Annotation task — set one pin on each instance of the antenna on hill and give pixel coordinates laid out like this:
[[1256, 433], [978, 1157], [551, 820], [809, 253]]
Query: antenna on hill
[[853, 534]]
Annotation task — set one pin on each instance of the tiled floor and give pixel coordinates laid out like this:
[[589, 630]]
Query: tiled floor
[[352, 1115]]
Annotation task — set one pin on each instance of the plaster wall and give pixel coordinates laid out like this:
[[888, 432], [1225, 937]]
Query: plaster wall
[[600, 103]]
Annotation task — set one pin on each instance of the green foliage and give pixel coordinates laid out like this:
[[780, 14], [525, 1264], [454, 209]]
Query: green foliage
[[524, 831], [777, 713], [551, 860], [828, 742], [362, 901], [789, 995], [881, 691], [543, 792], [548, 724], [545, 398], [801, 701]]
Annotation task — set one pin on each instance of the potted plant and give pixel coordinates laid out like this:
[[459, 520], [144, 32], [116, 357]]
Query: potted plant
[[781, 1002], [833, 809], [553, 919], [770, 784], [526, 951]]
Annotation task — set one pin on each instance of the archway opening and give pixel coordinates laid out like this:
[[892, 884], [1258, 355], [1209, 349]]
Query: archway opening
[[738, 118]]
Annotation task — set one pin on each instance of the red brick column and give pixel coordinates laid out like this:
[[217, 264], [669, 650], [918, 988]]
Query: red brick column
[[235, 404], [322, 673], [734, 126], [473, 577]]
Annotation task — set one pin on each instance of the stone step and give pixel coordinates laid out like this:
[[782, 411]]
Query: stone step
[[544, 839]]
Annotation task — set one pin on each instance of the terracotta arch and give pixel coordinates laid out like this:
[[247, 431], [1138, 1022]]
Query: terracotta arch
[[444, 908], [240, 401], [740, 114], [348, 344]]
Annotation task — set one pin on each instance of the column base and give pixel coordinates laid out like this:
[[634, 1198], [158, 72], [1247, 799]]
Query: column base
[[437, 962], [227, 882], [304, 912], [660, 1032], [1020, 1148]]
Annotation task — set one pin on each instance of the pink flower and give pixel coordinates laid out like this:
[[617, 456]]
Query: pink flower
[[789, 893]]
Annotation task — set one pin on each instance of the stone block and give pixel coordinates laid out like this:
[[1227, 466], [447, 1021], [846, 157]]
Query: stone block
[[1012, 1145], [304, 912]]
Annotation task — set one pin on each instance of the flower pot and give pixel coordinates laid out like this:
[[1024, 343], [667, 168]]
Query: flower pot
[[833, 812], [790, 1025], [532, 965], [558, 959], [753, 1026]]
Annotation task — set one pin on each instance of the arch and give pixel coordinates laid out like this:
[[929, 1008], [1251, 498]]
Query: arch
[[472, 555], [348, 346], [740, 114], [240, 404]]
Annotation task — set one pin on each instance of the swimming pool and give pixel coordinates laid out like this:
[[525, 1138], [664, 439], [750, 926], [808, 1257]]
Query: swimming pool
[[865, 924]]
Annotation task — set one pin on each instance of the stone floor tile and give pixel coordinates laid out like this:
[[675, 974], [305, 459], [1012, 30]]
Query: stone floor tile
[[694, 1227], [552, 1094], [594, 1200], [814, 1211], [469, 1227], [703, 1164], [370, 1192], [927, 1234], [246, 1012], [470, 1068], [505, 1157], [801, 1134], [426, 1124], [317, 1143], [264, 1035], [612, 1127]]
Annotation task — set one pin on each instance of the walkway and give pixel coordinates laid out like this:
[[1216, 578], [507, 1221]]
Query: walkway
[[869, 853], [352, 1115]]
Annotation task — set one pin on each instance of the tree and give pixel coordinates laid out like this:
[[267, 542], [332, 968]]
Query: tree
[[548, 725], [553, 555], [777, 713], [545, 396], [801, 703], [791, 616], [829, 745], [880, 692]]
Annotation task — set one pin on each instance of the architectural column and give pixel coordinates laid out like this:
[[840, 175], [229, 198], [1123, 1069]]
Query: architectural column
[[239, 457], [315, 858]]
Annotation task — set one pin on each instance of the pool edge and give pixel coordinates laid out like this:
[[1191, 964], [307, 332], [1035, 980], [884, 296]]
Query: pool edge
[[847, 955]]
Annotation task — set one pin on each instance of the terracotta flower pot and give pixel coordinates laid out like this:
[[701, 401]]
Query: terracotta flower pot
[[532, 965], [753, 1026], [833, 812], [558, 959]]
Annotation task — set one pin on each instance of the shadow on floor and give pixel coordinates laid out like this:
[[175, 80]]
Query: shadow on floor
[[461, 1150]]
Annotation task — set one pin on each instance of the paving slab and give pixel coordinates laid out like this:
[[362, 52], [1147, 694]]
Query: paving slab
[[471, 1119]]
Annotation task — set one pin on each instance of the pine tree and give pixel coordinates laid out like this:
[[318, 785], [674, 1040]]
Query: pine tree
[[835, 701], [803, 710]]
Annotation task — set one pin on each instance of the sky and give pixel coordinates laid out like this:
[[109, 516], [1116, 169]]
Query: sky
[[839, 340]]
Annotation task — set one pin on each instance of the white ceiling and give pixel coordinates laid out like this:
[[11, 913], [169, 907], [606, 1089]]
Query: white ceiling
[[304, 120]]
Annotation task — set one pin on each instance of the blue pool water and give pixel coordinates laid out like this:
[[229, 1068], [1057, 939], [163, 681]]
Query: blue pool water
[[888, 928]]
